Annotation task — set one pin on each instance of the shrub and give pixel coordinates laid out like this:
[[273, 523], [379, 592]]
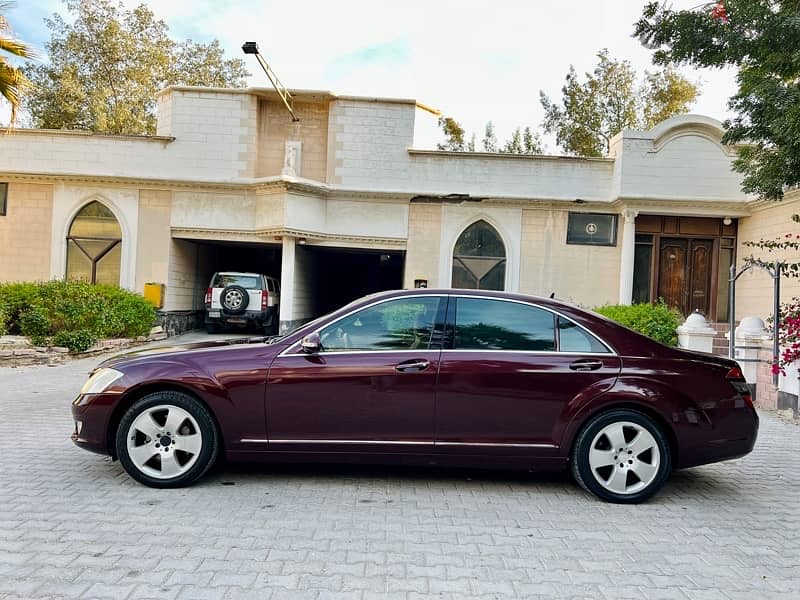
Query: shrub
[[3, 319], [35, 324], [87, 312], [15, 298], [656, 321], [77, 341]]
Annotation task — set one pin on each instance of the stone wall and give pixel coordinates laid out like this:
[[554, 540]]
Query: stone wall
[[25, 233]]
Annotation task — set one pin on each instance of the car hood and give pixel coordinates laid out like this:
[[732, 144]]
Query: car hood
[[170, 351]]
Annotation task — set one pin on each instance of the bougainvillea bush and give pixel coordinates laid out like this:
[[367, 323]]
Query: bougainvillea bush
[[788, 336]]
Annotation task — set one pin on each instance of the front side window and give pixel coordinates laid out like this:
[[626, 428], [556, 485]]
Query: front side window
[[486, 324], [94, 246], [572, 338], [400, 324]]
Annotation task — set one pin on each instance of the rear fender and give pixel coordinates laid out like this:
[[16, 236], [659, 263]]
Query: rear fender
[[670, 408]]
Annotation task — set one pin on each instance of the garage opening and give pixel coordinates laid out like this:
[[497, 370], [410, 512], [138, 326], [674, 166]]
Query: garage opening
[[337, 276]]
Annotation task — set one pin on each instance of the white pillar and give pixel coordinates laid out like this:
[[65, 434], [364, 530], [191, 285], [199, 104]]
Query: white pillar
[[628, 251], [287, 285], [696, 333]]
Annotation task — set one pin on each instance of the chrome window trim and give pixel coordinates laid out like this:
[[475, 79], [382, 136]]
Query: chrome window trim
[[355, 310], [611, 351], [549, 352], [346, 352]]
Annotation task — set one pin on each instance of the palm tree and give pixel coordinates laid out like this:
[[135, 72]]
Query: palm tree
[[12, 81]]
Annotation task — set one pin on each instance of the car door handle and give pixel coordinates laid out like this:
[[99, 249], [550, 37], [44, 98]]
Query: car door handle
[[586, 365], [412, 365]]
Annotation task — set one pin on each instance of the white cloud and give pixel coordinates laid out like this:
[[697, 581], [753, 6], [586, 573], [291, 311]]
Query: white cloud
[[474, 60]]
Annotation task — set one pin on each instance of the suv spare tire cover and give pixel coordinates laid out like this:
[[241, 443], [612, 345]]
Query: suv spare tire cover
[[234, 299]]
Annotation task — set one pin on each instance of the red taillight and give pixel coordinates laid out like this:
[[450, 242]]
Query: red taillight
[[736, 378], [208, 296], [264, 296]]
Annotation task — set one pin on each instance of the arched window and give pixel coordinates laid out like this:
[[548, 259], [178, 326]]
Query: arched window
[[479, 259], [94, 245]]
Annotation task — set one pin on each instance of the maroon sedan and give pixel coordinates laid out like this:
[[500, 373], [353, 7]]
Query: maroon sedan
[[446, 377]]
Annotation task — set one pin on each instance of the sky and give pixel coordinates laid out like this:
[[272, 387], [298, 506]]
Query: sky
[[474, 60]]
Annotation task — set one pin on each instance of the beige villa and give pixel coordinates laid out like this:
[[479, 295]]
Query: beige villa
[[344, 203]]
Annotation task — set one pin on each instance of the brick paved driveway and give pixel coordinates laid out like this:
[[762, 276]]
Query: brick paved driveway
[[72, 524]]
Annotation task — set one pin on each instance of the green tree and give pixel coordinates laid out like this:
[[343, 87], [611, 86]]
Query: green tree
[[610, 99], [760, 39], [107, 63], [453, 133], [532, 142], [12, 81], [521, 141], [489, 142], [514, 144]]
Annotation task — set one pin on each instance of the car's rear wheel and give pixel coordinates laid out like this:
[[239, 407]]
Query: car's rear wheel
[[621, 456], [167, 439]]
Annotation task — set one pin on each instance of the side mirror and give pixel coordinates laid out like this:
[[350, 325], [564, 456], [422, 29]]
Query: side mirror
[[311, 344]]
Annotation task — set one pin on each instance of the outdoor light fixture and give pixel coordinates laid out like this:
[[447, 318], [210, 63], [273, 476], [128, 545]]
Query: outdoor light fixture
[[301, 241], [727, 221], [285, 95]]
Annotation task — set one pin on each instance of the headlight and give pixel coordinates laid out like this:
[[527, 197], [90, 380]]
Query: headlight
[[100, 380]]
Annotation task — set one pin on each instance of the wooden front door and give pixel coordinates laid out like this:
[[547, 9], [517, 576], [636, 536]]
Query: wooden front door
[[685, 267]]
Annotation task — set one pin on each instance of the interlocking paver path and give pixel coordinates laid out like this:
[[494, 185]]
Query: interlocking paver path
[[72, 524]]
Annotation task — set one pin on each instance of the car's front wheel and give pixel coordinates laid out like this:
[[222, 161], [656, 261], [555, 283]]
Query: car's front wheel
[[166, 440], [621, 456]]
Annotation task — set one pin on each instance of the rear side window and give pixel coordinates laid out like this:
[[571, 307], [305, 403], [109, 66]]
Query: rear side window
[[486, 324], [249, 282], [572, 338]]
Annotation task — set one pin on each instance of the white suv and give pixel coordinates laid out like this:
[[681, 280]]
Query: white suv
[[243, 299]]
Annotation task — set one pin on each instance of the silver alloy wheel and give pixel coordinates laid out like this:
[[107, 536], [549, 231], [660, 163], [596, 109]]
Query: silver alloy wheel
[[164, 441], [624, 457], [233, 299]]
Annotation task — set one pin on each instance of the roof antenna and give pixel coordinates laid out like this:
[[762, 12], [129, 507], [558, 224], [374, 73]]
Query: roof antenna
[[252, 48], [552, 295]]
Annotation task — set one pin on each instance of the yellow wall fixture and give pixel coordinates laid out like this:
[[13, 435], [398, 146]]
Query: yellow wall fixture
[[154, 294]]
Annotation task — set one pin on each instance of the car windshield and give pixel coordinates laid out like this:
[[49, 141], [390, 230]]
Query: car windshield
[[249, 282]]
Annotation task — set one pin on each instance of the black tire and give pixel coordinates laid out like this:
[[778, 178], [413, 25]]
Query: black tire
[[585, 476], [234, 299], [206, 428]]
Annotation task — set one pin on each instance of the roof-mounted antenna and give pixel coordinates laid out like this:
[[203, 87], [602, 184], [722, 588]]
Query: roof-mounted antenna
[[252, 48]]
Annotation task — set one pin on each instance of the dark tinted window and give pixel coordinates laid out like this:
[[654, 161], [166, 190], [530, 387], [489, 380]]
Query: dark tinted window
[[479, 259], [401, 324], [499, 325], [249, 282], [592, 229], [572, 338]]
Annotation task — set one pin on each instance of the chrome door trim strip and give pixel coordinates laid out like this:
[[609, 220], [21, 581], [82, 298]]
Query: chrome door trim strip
[[359, 442], [496, 444], [399, 443]]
